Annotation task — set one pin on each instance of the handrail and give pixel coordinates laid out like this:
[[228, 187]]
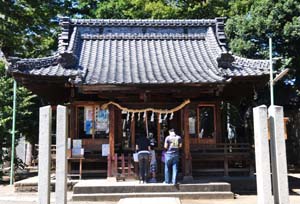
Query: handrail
[[221, 148]]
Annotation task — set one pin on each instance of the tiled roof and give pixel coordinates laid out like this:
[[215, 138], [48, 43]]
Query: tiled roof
[[247, 67], [100, 51], [156, 60], [47, 66]]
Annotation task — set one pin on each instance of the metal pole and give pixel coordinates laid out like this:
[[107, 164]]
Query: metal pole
[[271, 72], [13, 135]]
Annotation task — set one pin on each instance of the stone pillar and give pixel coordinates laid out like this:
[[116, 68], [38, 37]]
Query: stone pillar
[[28, 159], [262, 155], [61, 155], [278, 156], [44, 154]]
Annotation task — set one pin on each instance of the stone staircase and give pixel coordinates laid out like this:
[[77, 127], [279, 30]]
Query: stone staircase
[[103, 190]]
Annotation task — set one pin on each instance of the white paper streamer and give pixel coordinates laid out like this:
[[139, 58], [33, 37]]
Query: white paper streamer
[[152, 117], [160, 118], [171, 117], [166, 116], [139, 116]]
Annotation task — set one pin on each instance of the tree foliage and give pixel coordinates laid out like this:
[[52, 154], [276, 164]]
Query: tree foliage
[[26, 112], [160, 9], [249, 31]]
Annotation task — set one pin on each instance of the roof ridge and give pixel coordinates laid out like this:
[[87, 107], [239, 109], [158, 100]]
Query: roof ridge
[[143, 22], [51, 57], [146, 36], [36, 62]]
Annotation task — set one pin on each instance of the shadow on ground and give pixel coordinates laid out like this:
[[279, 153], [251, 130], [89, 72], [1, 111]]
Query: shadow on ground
[[246, 185]]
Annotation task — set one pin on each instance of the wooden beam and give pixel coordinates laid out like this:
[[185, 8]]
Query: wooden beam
[[140, 89]]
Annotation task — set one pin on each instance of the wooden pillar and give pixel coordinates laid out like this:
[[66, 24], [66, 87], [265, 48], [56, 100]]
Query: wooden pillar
[[132, 132], [218, 123], [226, 168], [158, 132], [112, 130], [186, 147], [76, 135], [119, 122], [109, 166], [93, 124], [71, 120]]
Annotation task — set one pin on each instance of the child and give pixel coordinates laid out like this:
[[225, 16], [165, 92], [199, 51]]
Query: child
[[153, 163]]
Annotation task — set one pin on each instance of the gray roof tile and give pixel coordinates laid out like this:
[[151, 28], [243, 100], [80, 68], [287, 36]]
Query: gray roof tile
[[148, 61], [106, 51]]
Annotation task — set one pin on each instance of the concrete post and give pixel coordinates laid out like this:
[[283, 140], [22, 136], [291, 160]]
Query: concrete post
[[262, 155], [44, 154], [61, 155], [278, 156]]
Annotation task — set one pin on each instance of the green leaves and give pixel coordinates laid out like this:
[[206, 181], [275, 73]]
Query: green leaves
[[160, 9], [26, 29], [26, 111]]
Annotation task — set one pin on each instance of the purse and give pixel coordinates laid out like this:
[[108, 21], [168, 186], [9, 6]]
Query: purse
[[135, 157]]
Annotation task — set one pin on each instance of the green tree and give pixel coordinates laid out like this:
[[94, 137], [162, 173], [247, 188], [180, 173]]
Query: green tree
[[29, 28], [26, 120], [160, 9], [248, 32], [248, 29]]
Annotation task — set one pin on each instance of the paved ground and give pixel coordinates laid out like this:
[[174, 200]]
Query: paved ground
[[8, 196]]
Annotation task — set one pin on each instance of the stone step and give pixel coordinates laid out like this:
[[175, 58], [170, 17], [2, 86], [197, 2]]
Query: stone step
[[88, 187], [181, 195]]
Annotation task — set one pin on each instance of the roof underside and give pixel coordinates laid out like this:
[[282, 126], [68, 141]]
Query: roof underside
[[142, 52]]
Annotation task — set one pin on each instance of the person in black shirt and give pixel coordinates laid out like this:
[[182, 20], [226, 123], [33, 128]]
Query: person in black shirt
[[143, 147]]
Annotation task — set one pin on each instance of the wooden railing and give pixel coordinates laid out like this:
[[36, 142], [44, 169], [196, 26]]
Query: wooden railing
[[35, 155], [121, 166], [221, 157]]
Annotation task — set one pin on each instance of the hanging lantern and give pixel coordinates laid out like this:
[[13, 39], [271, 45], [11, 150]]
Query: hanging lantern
[[145, 115], [132, 116], [127, 117]]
